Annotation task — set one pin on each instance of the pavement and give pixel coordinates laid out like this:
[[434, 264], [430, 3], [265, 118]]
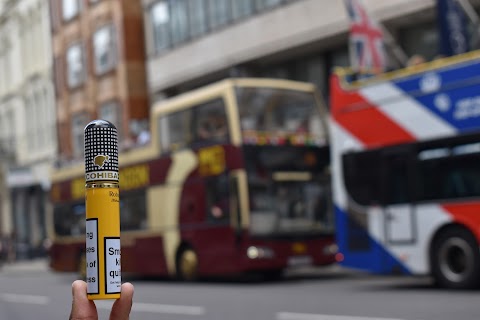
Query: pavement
[[40, 264]]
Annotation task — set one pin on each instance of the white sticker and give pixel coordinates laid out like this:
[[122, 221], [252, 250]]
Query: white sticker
[[92, 255], [112, 265]]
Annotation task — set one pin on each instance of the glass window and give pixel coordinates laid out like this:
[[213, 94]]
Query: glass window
[[219, 13], [340, 58], [420, 39], [242, 9], [104, 49], [280, 113], [133, 213], [79, 121], [217, 198], [70, 8], [160, 18], [397, 186], [75, 65], [210, 122], [179, 21], [198, 17], [362, 176], [110, 111], [70, 220], [287, 192], [265, 4], [174, 130], [451, 175], [316, 73]]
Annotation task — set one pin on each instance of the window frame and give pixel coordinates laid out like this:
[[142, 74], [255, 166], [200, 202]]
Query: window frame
[[74, 13], [419, 176], [117, 122], [83, 61], [166, 44], [177, 38], [77, 133], [111, 51]]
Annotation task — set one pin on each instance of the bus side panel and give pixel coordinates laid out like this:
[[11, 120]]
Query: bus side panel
[[217, 251], [360, 250], [213, 240], [467, 214], [66, 257], [147, 256]]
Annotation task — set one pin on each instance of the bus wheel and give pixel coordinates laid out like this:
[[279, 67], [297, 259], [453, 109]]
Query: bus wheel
[[81, 268], [456, 259], [187, 264]]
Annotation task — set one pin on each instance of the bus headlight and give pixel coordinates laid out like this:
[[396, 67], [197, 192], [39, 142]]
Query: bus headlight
[[254, 252], [330, 249]]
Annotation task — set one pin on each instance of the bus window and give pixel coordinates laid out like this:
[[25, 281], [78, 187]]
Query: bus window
[[174, 130], [362, 176], [397, 179], [210, 122], [218, 202], [280, 111], [70, 220], [453, 175], [133, 213], [288, 191]]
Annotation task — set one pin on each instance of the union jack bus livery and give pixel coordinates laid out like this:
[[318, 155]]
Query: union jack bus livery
[[406, 170], [234, 180]]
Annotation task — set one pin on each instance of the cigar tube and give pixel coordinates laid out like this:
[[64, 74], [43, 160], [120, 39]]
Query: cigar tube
[[102, 202]]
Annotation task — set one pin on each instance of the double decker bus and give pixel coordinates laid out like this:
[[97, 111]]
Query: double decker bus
[[406, 170], [234, 180]]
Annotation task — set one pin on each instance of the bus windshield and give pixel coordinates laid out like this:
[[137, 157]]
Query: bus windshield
[[279, 113], [288, 190]]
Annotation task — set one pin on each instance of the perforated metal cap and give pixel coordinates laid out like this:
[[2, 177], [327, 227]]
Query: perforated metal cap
[[101, 151]]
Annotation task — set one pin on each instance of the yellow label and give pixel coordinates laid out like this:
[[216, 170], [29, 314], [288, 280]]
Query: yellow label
[[103, 243], [211, 161]]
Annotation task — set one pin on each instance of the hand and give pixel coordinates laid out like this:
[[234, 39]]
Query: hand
[[84, 309]]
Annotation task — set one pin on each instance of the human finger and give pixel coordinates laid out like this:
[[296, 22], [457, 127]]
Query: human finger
[[82, 308], [122, 307]]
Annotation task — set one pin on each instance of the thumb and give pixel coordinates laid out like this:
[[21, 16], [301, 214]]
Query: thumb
[[122, 307], [82, 308]]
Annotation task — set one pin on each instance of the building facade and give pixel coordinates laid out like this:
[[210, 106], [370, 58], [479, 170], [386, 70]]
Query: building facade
[[191, 43], [27, 125], [99, 70]]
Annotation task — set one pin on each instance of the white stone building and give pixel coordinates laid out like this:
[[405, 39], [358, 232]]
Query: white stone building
[[27, 122]]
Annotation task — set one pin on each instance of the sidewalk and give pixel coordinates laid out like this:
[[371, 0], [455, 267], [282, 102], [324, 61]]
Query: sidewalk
[[40, 264]]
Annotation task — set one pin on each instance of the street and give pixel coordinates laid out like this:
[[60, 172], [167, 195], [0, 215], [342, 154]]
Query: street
[[331, 293]]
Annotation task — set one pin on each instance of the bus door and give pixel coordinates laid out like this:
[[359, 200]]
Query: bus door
[[238, 202], [223, 212], [398, 205]]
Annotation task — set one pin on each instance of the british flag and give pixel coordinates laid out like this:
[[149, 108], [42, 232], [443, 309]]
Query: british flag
[[367, 51]]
